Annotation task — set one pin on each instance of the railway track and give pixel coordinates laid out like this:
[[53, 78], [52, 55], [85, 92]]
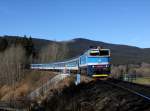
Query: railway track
[[136, 89], [99, 95]]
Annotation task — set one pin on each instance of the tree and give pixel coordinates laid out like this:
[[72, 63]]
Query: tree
[[53, 52], [127, 69], [11, 65], [48, 53], [3, 44], [63, 51]]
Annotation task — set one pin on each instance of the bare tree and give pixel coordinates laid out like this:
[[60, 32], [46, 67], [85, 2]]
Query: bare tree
[[53, 52], [10, 65], [63, 51], [48, 53]]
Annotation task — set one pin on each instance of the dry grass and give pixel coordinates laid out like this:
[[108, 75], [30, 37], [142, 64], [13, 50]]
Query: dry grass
[[4, 90], [14, 93], [31, 81], [70, 80], [66, 82], [142, 80], [85, 79]]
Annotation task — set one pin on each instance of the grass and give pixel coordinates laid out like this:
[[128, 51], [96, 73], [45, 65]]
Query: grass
[[31, 81], [142, 80]]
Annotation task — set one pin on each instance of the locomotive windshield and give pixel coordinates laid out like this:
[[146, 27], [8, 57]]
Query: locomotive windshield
[[94, 53], [104, 52], [99, 53]]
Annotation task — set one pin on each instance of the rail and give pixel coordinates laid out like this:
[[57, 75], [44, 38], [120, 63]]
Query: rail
[[129, 90]]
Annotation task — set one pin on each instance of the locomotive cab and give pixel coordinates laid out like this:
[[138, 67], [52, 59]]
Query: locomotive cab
[[99, 62]]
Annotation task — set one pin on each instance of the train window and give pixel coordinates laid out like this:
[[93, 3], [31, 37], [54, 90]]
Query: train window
[[104, 52], [94, 53]]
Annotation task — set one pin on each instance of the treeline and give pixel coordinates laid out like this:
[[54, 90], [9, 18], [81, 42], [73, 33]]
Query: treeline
[[131, 70], [25, 42], [17, 54], [35, 49], [12, 65], [53, 52]]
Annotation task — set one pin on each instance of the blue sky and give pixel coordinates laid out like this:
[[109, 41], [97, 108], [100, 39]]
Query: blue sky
[[113, 21]]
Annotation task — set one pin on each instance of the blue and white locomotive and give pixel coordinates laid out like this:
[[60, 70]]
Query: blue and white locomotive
[[95, 62]]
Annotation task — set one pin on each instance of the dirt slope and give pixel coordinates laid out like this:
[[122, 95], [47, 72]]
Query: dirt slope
[[95, 96]]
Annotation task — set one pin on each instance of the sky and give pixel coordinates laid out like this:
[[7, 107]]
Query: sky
[[112, 21]]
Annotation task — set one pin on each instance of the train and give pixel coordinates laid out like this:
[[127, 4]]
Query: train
[[95, 62]]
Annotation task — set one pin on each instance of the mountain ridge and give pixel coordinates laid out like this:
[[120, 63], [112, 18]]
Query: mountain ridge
[[121, 54]]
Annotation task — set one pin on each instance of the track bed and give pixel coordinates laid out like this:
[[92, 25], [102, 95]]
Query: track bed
[[96, 96], [132, 87]]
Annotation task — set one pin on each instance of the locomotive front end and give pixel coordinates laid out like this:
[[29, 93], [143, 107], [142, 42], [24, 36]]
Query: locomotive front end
[[99, 63]]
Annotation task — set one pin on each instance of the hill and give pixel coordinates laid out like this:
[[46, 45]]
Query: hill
[[121, 54]]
